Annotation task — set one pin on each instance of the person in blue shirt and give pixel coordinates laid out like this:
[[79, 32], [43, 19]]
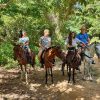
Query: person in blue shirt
[[83, 36]]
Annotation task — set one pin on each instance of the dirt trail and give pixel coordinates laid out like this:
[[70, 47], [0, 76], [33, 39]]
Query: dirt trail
[[12, 88]]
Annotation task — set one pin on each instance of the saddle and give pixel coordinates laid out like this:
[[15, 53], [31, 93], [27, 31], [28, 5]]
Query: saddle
[[27, 55], [42, 58], [71, 49]]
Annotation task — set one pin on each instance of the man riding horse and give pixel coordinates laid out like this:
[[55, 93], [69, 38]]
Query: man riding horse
[[44, 43], [85, 40]]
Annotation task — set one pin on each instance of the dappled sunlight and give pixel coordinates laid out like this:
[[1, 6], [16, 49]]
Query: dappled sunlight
[[98, 80], [96, 97], [11, 87]]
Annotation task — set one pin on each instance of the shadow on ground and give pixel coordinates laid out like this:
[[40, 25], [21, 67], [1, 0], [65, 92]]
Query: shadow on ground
[[12, 88]]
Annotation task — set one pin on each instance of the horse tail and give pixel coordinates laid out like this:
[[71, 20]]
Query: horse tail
[[33, 55], [41, 57]]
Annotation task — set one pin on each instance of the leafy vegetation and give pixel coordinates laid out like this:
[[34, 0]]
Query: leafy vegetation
[[33, 16]]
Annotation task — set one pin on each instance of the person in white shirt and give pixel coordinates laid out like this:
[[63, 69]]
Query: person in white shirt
[[72, 41]]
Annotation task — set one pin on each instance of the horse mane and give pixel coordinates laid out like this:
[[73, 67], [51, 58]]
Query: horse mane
[[92, 43], [52, 48]]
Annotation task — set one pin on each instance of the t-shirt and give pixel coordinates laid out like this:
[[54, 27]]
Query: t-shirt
[[23, 40], [83, 37], [45, 41], [74, 42]]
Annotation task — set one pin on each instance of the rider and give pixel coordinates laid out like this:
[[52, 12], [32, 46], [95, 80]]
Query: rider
[[84, 38], [71, 42], [24, 41], [44, 43]]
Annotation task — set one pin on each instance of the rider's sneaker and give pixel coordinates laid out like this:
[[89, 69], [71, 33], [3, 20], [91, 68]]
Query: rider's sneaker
[[42, 66], [93, 62], [77, 68]]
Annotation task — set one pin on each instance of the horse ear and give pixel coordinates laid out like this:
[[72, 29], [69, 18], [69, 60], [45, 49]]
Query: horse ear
[[95, 42], [58, 46]]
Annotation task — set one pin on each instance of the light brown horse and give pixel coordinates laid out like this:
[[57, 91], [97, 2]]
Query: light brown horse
[[49, 55], [20, 56]]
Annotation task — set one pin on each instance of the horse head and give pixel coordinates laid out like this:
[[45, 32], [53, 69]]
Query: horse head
[[18, 51], [97, 48], [57, 51], [54, 51]]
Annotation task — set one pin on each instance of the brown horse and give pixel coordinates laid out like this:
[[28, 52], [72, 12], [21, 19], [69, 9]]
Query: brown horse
[[73, 60], [49, 55], [62, 56], [20, 56]]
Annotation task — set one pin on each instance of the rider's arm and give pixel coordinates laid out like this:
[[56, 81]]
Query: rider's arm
[[40, 43], [79, 42], [20, 41], [49, 44], [87, 37], [88, 40], [66, 43], [26, 41]]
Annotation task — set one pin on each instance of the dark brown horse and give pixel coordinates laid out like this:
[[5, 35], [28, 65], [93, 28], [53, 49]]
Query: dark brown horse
[[21, 56], [73, 60], [49, 55]]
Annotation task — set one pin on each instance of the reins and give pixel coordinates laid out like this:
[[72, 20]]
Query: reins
[[87, 55]]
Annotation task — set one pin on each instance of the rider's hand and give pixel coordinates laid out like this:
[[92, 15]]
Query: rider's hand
[[83, 45]]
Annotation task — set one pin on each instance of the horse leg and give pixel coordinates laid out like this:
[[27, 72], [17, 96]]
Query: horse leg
[[90, 73], [22, 72], [69, 74], [46, 76], [33, 62], [51, 76], [63, 66], [73, 75], [67, 68], [84, 75], [26, 75]]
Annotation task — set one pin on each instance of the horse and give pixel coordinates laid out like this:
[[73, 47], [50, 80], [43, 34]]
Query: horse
[[62, 56], [88, 54], [48, 60], [21, 56], [73, 60], [97, 48]]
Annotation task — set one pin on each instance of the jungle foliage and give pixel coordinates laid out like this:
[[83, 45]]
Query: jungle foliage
[[33, 16]]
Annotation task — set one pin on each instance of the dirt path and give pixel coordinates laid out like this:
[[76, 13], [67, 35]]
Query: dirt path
[[11, 88]]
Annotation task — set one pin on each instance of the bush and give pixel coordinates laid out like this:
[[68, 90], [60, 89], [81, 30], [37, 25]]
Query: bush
[[6, 52], [6, 55]]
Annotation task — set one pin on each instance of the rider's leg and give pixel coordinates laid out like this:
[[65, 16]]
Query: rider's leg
[[40, 57]]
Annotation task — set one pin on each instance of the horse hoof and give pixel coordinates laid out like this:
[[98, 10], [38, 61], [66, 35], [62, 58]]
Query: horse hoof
[[63, 74], [27, 83], [91, 80], [68, 81], [80, 72], [45, 82], [74, 82]]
